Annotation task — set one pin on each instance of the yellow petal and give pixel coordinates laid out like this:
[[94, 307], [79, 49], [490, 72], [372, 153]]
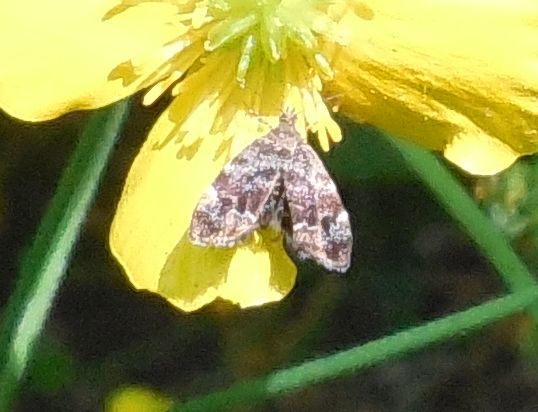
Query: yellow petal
[[250, 275], [57, 55], [459, 76], [148, 236], [480, 154]]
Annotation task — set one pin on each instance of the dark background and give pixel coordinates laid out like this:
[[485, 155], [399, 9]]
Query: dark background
[[412, 263]]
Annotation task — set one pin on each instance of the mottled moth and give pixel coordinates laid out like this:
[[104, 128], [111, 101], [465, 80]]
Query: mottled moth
[[278, 180]]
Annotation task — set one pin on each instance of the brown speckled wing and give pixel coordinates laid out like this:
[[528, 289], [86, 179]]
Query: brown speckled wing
[[320, 225], [246, 194]]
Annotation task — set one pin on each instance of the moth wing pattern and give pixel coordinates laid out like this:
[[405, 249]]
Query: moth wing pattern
[[235, 203], [321, 230]]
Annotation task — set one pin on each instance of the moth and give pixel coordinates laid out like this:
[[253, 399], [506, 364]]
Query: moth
[[278, 181]]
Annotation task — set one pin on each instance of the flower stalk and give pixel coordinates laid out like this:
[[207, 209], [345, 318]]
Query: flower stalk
[[44, 265]]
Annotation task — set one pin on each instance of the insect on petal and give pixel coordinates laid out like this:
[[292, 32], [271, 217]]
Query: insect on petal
[[277, 174]]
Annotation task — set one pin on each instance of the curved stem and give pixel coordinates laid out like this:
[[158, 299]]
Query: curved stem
[[455, 199], [44, 264], [369, 354]]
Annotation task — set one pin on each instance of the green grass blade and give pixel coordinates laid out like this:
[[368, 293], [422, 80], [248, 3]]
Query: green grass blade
[[369, 354], [454, 197], [45, 262]]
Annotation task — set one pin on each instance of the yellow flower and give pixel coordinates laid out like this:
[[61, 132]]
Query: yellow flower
[[137, 399], [458, 76]]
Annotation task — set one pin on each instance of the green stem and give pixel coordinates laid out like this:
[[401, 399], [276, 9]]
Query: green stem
[[44, 264], [369, 354], [454, 197]]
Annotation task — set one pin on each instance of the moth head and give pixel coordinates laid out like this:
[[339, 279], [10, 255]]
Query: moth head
[[288, 117]]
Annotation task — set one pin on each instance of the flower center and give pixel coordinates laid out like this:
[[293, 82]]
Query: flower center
[[274, 50], [271, 30]]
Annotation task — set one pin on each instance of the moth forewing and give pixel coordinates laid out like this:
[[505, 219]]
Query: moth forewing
[[238, 201], [320, 224]]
